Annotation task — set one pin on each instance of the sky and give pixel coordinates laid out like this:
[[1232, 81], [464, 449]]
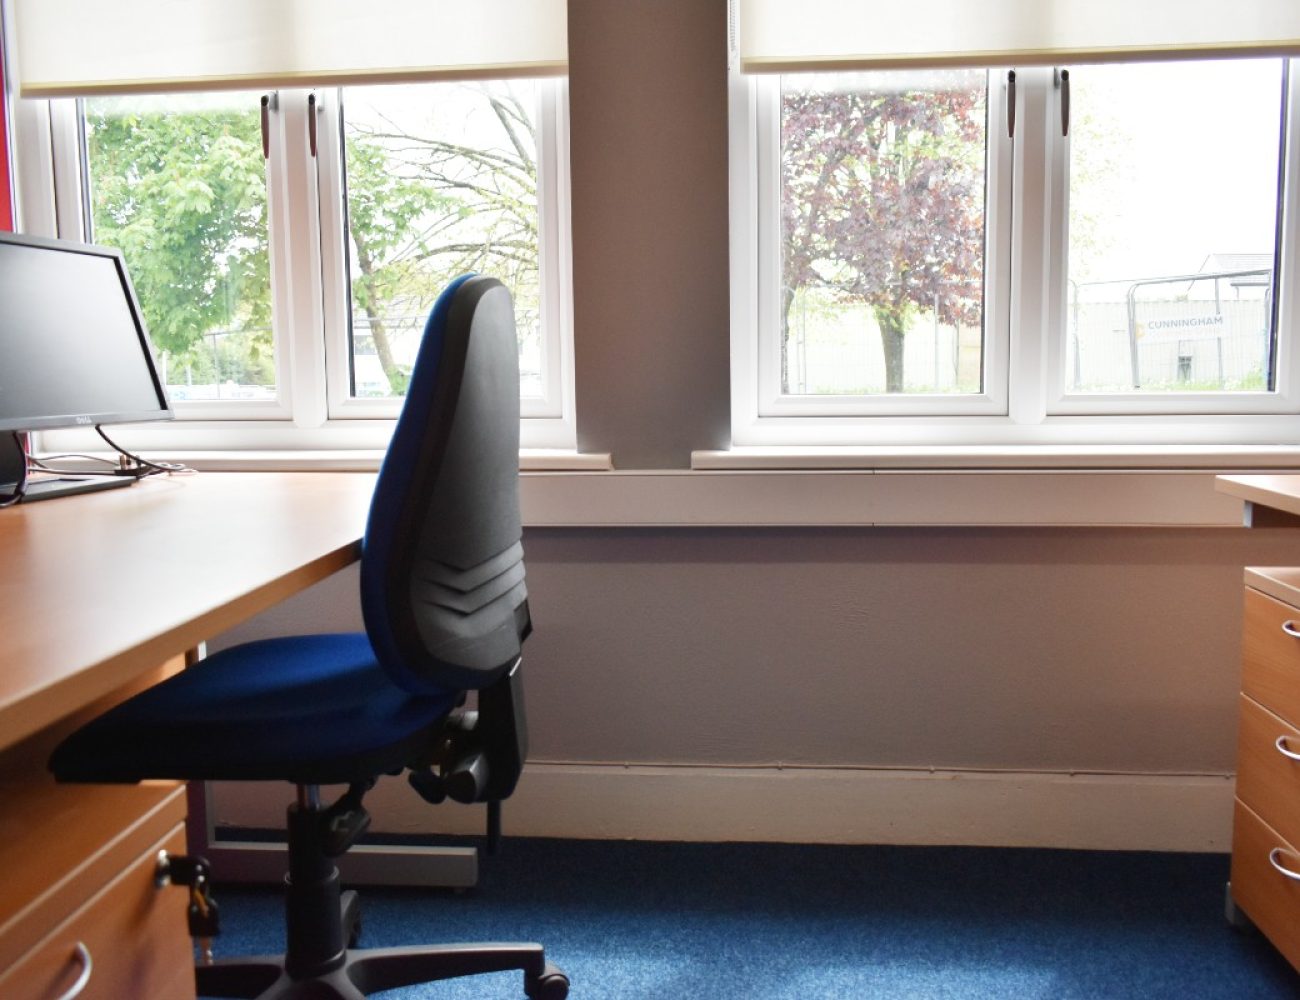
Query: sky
[[1184, 164]]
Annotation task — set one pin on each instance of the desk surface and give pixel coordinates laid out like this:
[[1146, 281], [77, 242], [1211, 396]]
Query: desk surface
[[98, 588], [1280, 492]]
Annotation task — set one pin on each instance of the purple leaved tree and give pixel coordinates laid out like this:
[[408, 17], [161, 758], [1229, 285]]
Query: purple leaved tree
[[883, 204]]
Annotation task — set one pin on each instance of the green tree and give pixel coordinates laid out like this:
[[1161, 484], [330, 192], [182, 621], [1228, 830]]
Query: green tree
[[182, 192], [180, 188]]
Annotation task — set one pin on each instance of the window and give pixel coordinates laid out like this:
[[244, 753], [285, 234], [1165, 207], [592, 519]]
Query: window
[[1075, 254], [178, 184], [287, 247], [882, 216], [1172, 227], [441, 179]]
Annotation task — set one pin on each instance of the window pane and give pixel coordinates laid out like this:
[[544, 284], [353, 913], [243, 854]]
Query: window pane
[[441, 179], [882, 228], [178, 183], [1174, 174]]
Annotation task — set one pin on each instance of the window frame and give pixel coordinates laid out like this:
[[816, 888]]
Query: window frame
[[554, 261], [309, 301], [1036, 410], [992, 399], [1285, 398]]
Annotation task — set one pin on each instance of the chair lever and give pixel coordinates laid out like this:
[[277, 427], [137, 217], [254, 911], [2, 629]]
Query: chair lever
[[429, 786], [464, 780], [345, 821], [467, 781]]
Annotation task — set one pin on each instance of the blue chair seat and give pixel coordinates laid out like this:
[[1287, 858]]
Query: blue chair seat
[[313, 709]]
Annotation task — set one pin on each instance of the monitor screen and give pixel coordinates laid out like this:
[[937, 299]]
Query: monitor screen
[[73, 347]]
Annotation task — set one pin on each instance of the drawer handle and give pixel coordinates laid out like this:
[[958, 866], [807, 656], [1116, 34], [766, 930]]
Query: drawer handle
[[1285, 750], [82, 954], [1291, 628], [1273, 856]]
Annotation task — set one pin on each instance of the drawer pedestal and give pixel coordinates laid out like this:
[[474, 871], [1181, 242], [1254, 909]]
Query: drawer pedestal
[[1266, 820]]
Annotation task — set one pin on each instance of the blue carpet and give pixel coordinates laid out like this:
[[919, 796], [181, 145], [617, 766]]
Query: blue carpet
[[635, 921]]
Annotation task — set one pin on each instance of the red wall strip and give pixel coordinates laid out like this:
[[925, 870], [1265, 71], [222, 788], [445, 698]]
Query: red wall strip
[[6, 209]]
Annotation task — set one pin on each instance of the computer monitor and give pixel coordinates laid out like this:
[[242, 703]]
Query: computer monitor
[[74, 350]]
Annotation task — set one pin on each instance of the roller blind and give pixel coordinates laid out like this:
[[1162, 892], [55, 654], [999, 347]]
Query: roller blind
[[777, 36], [84, 47]]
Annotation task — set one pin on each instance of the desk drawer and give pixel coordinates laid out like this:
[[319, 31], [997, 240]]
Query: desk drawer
[[1267, 779], [1270, 898], [1271, 655], [61, 844], [134, 933]]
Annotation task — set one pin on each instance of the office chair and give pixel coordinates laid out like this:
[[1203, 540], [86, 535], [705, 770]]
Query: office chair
[[445, 611]]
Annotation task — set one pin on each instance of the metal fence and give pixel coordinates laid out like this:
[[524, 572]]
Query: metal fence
[[404, 332], [1171, 345], [1208, 331], [368, 378], [1181, 333], [936, 358]]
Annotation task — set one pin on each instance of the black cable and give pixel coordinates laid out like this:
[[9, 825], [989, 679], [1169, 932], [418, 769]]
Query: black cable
[[20, 487], [40, 463], [155, 467], [143, 467]]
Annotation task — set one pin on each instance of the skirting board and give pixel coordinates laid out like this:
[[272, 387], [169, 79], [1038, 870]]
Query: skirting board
[[1137, 812]]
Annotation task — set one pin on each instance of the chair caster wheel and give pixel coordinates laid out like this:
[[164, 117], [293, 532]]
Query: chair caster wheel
[[552, 984], [354, 935]]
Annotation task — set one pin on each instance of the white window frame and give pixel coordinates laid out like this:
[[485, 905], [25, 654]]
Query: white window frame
[[310, 294], [992, 399], [547, 410], [1286, 395], [1027, 261]]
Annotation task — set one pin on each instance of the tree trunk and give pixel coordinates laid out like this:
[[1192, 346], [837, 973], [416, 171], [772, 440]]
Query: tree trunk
[[893, 328], [378, 332]]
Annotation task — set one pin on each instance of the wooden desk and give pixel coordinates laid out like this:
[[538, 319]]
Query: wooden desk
[[1272, 501], [97, 589], [100, 595], [1265, 884]]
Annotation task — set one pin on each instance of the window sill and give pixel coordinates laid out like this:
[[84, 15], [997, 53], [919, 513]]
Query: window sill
[[569, 490], [897, 497], [351, 460], [1018, 457], [530, 460]]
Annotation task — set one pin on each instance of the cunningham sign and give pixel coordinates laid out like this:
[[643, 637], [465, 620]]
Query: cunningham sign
[[1212, 325]]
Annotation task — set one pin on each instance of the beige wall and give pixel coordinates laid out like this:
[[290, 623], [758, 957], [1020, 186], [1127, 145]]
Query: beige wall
[[1018, 649], [648, 138], [855, 652], [851, 652]]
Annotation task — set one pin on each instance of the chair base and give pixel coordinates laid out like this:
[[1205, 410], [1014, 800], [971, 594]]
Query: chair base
[[323, 924], [372, 970]]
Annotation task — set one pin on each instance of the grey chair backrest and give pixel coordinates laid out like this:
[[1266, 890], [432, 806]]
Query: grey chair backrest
[[442, 572]]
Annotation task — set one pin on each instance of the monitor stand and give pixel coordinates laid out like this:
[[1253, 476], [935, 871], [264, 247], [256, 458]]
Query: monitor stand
[[11, 467], [11, 463], [47, 489]]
